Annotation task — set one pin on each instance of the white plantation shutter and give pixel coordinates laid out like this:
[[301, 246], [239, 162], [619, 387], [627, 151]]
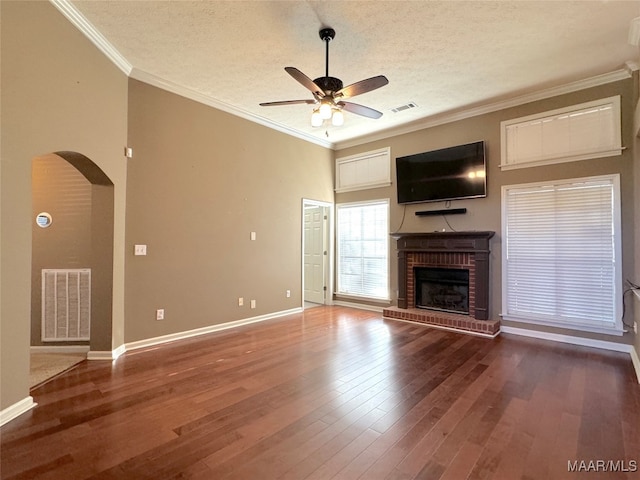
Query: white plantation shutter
[[561, 262], [588, 130], [365, 170], [363, 249]]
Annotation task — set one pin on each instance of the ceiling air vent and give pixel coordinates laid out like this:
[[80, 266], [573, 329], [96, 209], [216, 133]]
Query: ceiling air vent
[[406, 106]]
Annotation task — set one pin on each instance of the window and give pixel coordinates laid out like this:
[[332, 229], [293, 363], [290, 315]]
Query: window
[[561, 254], [363, 249], [579, 132]]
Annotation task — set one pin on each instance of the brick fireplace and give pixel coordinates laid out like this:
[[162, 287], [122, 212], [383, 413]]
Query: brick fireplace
[[447, 252]]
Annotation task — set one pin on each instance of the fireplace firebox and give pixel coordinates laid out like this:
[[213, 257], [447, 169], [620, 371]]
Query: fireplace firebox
[[443, 289]]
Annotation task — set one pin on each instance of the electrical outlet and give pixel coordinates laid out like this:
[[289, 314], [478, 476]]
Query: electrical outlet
[[288, 293], [160, 314], [253, 304], [140, 250], [240, 301]]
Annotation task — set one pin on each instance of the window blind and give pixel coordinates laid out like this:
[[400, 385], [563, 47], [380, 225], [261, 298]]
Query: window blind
[[561, 260], [363, 249]]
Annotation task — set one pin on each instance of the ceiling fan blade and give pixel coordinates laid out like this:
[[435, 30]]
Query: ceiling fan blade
[[287, 102], [305, 81], [363, 86], [360, 110]]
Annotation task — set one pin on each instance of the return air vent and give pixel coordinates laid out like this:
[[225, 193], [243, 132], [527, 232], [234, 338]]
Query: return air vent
[[66, 304], [406, 106]]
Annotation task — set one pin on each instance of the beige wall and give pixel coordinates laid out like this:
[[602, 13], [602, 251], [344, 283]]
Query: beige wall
[[484, 213], [58, 93], [200, 182]]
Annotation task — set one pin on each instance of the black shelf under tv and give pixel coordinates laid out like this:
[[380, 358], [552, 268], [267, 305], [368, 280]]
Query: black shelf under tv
[[445, 211]]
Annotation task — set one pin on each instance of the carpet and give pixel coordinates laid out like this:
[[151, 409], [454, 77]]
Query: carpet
[[47, 365]]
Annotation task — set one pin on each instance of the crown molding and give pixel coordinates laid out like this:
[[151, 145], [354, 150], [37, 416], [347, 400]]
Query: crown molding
[[453, 116], [82, 24], [169, 86]]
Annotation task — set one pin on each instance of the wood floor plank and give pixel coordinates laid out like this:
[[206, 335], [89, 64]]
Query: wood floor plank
[[332, 392]]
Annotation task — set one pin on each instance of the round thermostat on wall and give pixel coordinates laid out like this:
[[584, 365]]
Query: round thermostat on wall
[[43, 219]]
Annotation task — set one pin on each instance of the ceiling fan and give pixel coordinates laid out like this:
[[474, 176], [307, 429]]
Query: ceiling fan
[[328, 92]]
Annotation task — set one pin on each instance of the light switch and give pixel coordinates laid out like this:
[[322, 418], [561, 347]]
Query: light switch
[[253, 235], [140, 250]]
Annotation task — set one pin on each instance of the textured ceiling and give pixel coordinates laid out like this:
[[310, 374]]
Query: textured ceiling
[[442, 55]]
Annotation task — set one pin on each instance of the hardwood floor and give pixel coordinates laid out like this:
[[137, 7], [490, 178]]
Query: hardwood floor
[[334, 393]]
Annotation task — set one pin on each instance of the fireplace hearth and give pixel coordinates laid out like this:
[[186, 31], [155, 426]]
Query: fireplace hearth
[[460, 298]]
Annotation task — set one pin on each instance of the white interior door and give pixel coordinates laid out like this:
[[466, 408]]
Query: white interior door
[[315, 253]]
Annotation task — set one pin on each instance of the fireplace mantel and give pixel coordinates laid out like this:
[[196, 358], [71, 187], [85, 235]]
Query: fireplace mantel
[[450, 248], [471, 241]]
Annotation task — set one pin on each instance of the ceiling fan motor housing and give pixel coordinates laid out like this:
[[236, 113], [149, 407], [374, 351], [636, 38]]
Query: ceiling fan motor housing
[[329, 85], [327, 34]]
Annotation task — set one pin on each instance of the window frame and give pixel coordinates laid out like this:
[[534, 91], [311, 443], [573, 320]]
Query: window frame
[[507, 130], [367, 163], [338, 287], [615, 328]]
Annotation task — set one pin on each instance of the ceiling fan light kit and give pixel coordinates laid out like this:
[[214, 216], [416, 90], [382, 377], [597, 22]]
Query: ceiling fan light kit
[[326, 110], [316, 118], [337, 119], [328, 92]]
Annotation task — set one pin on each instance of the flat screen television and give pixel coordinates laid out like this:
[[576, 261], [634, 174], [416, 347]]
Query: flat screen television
[[447, 174]]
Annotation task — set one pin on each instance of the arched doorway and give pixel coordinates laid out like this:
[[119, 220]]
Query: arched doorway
[[76, 198]]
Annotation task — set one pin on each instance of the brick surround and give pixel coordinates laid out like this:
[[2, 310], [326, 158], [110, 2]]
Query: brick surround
[[463, 260], [464, 250]]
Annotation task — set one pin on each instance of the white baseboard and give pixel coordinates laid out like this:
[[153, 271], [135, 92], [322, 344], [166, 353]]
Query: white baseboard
[[557, 337], [584, 342], [149, 342], [16, 410], [361, 306], [59, 348], [106, 354]]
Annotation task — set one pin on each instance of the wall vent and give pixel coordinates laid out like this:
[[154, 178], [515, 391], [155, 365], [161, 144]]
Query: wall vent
[[66, 304], [406, 106]]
